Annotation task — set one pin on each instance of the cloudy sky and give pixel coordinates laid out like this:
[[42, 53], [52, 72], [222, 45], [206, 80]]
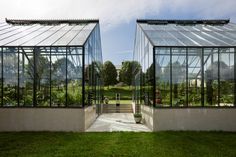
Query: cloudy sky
[[117, 17]]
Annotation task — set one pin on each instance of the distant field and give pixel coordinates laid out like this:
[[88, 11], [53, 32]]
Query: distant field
[[121, 101], [118, 144], [125, 92]]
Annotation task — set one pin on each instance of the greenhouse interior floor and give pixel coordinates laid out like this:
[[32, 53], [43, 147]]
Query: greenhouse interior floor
[[109, 122]]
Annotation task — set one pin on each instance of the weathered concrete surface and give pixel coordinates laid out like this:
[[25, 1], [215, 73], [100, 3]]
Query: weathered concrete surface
[[109, 122]]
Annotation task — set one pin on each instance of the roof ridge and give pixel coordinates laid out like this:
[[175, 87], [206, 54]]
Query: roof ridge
[[50, 21], [184, 21]]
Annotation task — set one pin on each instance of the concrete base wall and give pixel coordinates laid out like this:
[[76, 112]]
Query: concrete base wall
[[90, 116], [196, 119], [201, 119], [46, 119], [147, 116]]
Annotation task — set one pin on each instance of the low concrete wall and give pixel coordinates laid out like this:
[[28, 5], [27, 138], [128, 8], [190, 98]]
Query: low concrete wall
[[38, 119], [90, 116], [195, 119], [147, 116], [200, 119]]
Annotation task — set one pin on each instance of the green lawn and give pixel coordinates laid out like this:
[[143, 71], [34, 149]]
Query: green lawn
[[121, 101], [125, 92], [161, 144]]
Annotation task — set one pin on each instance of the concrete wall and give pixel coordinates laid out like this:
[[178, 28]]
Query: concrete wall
[[46, 119], [196, 119], [147, 116], [90, 116], [204, 119]]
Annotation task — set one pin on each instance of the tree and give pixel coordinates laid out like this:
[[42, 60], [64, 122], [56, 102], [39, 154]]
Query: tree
[[126, 72], [109, 73]]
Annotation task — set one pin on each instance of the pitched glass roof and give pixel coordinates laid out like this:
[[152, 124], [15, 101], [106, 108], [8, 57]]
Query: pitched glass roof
[[45, 32], [189, 32]]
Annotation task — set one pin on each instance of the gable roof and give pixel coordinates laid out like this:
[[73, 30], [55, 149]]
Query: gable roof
[[196, 33], [65, 32]]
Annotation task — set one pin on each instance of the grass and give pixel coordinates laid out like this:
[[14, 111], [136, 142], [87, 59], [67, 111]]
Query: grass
[[125, 92], [121, 102], [117, 144]]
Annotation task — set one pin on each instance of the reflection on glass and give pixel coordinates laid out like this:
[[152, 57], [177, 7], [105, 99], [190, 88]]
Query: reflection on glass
[[194, 76], [179, 77], [163, 80]]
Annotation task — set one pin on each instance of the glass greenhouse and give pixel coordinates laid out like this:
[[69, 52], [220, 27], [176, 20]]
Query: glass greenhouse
[[185, 63], [50, 63]]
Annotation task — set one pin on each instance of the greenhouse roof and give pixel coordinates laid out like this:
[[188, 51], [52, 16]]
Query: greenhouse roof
[[196, 33], [45, 32]]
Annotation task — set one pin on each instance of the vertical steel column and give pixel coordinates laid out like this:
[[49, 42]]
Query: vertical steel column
[[18, 76], [170, 77], [154, 77], [202, 77], [186, 89], [50, 75], [235, 76], [218, 77], [66, 76], [2, 75], [83, 75]]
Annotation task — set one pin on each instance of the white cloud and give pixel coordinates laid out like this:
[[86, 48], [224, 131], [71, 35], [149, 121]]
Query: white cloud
[[115, 12]]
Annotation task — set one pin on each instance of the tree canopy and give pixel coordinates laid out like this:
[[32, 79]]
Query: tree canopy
[[126, 71], [109, 73]]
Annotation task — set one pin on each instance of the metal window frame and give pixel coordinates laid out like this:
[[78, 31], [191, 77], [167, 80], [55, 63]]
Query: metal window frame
[[202, 75]]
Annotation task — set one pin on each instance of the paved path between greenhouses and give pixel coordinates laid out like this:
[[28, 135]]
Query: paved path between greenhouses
[[109, 122]]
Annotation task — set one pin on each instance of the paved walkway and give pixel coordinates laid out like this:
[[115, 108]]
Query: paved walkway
[[109, 122]]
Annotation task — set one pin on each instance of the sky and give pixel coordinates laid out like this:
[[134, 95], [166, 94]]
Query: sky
[[118, 17]]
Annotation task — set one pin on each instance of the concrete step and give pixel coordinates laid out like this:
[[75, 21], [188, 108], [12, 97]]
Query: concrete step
[[122, 108]]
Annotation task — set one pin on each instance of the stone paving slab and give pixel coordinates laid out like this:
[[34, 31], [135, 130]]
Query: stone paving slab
[[109, 122]]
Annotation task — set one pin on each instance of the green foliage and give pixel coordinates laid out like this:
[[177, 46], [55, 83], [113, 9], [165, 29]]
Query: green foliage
[[137, 115], [109, 73], [126, 72]]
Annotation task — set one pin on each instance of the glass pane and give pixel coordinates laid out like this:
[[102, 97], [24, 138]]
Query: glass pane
[[179, 77], [10, 76], [74, 76], [163, 76], [58, 76], [26, 76], [194, 76], [211, 76], [42, 76], [227, 77], [1, 79]]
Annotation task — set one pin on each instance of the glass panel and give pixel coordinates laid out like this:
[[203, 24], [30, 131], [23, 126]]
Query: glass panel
[[1, 78], [56, 36], [194, 76], [42, 76], [211, 76], [9, 37], [163, 80], [227, 77], [10, 76], [92, 69], [58, 76], [30, 36], [179, 77], [65, 40], [43, 36], [83, 35], [26, 76], [74, 77]]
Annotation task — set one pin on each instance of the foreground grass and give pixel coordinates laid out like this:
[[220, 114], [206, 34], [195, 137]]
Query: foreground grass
[[162, 144]]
